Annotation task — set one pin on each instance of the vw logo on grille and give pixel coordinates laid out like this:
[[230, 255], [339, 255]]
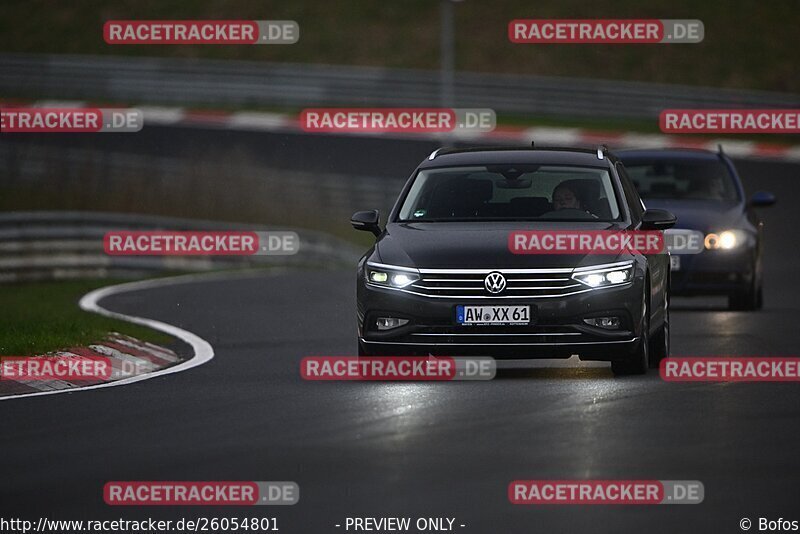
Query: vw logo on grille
[[495, 282]]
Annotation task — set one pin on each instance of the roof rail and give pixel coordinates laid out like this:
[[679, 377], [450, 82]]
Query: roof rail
[[434, 154], [602, 150]]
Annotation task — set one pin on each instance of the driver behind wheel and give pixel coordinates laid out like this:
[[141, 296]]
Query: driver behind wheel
[[565, 198]]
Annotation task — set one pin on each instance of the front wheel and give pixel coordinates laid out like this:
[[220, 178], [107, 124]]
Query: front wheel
[[638, 362], [659, 343], [751, 297]]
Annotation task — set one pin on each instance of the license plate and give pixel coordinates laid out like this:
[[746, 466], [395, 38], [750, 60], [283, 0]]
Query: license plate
[[493, 315], [674, 263]]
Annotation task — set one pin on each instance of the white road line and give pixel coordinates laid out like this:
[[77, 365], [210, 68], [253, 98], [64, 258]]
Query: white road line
[[203, 351]]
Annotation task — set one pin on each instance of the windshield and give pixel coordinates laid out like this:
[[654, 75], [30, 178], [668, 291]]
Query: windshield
[[665, 179], [510, 192]]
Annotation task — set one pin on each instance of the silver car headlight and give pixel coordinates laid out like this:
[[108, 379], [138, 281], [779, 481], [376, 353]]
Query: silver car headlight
[[606, 276]]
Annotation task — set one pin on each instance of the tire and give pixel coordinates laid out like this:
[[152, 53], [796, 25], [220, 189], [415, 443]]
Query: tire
[[659, 343], [749, 298], [638, 362]]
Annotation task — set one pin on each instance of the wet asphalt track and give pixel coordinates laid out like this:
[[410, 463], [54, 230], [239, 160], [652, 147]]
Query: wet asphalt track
[[438, 449]]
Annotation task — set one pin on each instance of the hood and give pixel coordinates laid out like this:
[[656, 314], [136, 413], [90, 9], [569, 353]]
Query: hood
[[477, 245], [703, 215]]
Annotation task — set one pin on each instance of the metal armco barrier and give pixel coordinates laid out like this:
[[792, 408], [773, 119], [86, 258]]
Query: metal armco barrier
[[249, 83], [52, 245], [228, 185]]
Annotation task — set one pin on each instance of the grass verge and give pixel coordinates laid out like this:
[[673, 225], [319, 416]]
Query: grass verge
[[38, 317]]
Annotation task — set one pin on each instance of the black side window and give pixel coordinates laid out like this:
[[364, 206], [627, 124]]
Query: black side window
[[632, 197]]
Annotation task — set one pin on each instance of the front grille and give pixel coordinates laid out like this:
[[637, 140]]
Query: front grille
[[469, 283]]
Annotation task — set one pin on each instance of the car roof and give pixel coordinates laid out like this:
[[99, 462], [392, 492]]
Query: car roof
[[695, 154], [448, 157]]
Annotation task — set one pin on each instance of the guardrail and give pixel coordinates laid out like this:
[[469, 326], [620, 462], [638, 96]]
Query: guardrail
[[226, 184], [52, 245], [250, 83]]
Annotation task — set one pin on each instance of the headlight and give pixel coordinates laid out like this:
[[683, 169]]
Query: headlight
[[725, 240], [390, 277], [609, 276]]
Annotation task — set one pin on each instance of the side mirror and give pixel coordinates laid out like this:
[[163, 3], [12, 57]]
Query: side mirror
[[367, 221], [655, 219], [762, 199]]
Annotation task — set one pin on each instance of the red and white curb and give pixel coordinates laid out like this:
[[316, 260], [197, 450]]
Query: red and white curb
[[152, 358], [278, 122], [128, 357]]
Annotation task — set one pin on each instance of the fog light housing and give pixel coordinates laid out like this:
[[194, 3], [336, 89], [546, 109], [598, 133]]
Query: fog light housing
[[609, 323], [387, 323]]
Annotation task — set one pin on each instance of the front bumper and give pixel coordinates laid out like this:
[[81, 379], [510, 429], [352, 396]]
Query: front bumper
[[714, 272], [558, 330]]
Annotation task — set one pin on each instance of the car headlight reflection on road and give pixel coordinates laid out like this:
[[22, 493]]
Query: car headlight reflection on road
[[725, 240], [606, 277], [390, 278]]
